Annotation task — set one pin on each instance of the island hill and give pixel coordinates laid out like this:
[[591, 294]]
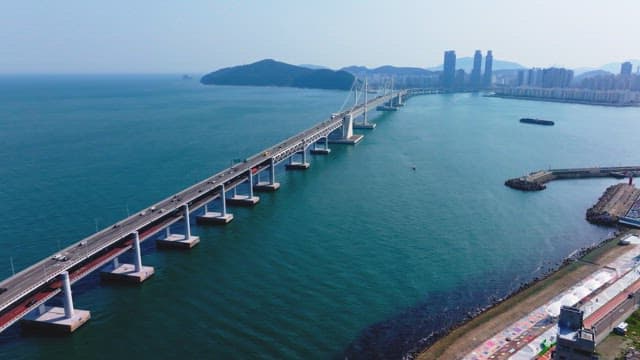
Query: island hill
[[274, 73]]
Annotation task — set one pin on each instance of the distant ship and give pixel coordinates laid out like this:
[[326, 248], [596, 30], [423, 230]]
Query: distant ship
[[187, 77], [536, 121]]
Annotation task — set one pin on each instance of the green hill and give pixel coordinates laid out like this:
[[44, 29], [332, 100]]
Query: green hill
[[274, 73]]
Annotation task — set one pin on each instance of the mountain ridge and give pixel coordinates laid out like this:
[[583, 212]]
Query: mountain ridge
[[269, 72]]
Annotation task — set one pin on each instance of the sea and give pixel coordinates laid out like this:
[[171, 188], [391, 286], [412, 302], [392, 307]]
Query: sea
[[372, 253]]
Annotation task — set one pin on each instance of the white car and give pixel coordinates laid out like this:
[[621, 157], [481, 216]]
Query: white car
[[59, 257]]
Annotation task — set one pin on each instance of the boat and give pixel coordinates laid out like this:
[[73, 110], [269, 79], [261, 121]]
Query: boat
[[536, 121]]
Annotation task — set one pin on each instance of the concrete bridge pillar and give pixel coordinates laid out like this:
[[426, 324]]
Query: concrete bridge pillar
[[347, 132], [214, 217], [347, 126], [187, 224], [54, 319], [180, 241], [321, 150], [270, 185], [244, 200], [272, 172], [67, 299], [134, 273], [298, 165]]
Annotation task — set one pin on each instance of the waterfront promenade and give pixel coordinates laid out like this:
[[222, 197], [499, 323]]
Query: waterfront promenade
[[600, 292]]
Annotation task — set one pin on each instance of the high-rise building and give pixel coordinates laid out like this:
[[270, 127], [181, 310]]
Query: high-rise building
[[460, 79], [521, 77], [626, 68], [534, 77], [488, 70], [476, 72], [556, 77], [449, 70]]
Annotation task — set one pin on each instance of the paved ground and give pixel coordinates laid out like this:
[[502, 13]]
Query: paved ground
[[518, 313]]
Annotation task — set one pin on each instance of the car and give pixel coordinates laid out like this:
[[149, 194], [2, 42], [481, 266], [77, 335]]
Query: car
[[621, 329], [59, 257], [2, 290]]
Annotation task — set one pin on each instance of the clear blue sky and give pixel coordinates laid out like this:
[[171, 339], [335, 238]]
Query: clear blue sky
[[194, 36]]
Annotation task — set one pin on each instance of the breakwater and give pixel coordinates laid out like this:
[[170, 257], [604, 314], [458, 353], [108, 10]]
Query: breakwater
[[536, 180], [614, 203]]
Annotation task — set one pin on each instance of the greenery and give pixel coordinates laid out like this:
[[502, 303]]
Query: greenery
[[274, 73], [633, 331]]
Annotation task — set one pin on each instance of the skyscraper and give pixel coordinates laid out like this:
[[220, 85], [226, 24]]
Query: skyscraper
[[476, 72], [626, 68], [488, 70], [449, 71], [521, 77]]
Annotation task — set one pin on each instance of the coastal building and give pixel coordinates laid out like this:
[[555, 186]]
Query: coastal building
[[476, 71], [488, 70], [574, 95], [556, 77], [534, 77], [626, 68], [521, 78], [574, 342], [460, 79], [449, 70]]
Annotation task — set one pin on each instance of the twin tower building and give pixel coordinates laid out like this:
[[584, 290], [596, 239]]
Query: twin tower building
[[458, 80]]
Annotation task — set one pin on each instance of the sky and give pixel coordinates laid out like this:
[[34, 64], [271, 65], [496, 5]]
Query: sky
[[195, 36]]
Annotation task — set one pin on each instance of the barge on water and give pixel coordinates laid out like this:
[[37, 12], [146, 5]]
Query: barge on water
[[536, 121]]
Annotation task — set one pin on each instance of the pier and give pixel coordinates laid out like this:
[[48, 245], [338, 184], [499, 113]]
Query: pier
[[536, 180], [24, 295]]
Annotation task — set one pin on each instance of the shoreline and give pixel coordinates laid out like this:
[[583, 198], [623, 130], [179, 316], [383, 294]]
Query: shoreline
[[565, 101], [458, 340]]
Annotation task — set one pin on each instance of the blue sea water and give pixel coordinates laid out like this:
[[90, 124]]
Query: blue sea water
[[360, 256]]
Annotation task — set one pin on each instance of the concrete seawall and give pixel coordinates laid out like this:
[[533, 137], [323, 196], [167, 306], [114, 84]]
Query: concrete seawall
[[614, 203], [536, 181]]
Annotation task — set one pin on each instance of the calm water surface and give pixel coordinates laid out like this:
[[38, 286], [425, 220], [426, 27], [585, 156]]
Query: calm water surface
[[359, 256]]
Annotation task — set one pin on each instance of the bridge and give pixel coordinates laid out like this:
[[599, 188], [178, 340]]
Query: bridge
[[23, 296]]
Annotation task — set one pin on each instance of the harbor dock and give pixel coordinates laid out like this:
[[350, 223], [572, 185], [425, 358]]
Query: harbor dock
[[536, 180]]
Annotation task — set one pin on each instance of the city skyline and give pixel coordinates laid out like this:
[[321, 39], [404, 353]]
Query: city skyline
[[113, 37]]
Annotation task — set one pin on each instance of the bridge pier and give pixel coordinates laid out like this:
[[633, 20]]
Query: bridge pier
[[134, 273], [180, 241], [365, 123], [270, 185], [295, 165], [216, 218], [244, 200], [321, 150], [57, 320], [347, 132]]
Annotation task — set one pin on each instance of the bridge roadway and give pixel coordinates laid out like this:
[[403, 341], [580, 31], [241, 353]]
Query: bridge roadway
[[26, 290]]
